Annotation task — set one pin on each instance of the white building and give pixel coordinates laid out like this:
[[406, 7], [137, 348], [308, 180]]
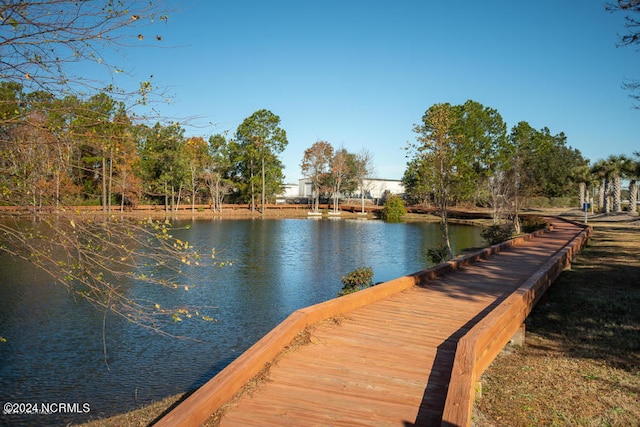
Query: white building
[[375, 188]]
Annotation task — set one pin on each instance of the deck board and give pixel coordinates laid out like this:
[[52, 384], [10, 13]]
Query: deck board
[[389, 363]]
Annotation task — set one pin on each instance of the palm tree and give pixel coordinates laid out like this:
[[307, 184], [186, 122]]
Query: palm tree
[[632, 171], [600, 171], [611, 172], [617, 165], [582, 174]]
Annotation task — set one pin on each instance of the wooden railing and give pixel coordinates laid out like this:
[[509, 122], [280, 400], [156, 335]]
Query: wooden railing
[[482, 343], [221, 389]]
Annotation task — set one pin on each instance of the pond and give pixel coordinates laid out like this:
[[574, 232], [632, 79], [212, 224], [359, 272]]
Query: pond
[[54, 349]]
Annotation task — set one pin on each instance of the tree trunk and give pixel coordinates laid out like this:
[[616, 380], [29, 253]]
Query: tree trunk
[[253, 189], [110, 186], [193, 193], [633, 196], [617, 189], [582, 188], [444, 226], [605, 196], [173, 198], [264, 185], [57, 189], [104, 183], [166, 197], [179, 197]]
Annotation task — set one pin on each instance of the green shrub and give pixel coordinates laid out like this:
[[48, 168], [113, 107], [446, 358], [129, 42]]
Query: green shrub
[[360, 278], [533, 223], [438, 255], [538, 202], [564, 202], [497, 233], [393, 209]]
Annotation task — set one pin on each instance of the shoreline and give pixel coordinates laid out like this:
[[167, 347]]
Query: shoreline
[[200, 212]]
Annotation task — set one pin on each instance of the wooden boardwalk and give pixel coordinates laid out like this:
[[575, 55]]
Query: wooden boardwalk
[[389, 363]]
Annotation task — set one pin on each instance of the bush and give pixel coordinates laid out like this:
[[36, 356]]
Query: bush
[[360, 278], [533, 223], [497, 233], [563, 202], [538, 202], [393, 209], [438, 255]]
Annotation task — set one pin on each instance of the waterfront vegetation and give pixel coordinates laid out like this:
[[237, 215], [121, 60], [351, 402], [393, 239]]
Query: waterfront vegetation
[[394, 209], [356, 280]]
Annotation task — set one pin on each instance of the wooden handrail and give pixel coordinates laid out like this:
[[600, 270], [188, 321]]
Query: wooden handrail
[[194, 410], [482, 343]]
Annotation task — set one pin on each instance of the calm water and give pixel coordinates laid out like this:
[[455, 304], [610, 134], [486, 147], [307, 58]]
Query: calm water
[[54, 350]]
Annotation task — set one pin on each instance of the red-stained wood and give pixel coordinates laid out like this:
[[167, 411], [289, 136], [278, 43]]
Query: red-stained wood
[[407, 352], [481, 344]]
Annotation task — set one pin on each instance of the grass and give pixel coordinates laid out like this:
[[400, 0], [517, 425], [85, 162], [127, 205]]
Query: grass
[[580, 365], [143, 416]]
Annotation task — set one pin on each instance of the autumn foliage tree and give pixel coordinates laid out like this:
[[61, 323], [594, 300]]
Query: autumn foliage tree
[[66, 138], [316, 165], [342, 174], [197, 156]]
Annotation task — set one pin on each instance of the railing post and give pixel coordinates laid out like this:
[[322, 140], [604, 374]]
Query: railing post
[[518, 338]]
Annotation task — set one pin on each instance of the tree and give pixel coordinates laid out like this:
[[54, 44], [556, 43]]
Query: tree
[[536, 163], [45, 105], [417, 187], [610, 171], [602, 172], [437, 147], [632, 171], [164, 162], [100, 122], [43, 40], [125, 164], [613, 168], [363, 168], [457, 158], [632, 37], [261, 139], [393, 209], [217, 170], [197, 156], [582, 174], [553, 168], [315, 164], [342, 176], [484, 133]]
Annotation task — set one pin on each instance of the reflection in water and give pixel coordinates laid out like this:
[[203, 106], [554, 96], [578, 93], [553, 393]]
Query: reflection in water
[[54, 347]]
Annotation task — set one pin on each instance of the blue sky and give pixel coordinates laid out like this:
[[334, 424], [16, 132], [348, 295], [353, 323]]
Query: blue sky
[[360, 74]]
